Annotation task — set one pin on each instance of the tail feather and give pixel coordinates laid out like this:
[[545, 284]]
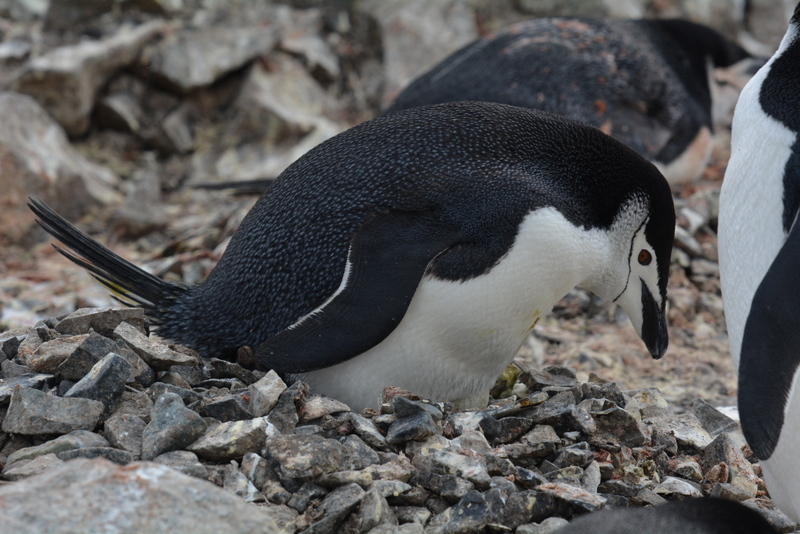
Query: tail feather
[[132, 285]]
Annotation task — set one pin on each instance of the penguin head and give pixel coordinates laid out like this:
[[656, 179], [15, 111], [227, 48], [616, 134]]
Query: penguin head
[[638, 268]]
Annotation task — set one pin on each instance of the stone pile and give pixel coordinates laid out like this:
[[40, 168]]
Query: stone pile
[[101, 423]]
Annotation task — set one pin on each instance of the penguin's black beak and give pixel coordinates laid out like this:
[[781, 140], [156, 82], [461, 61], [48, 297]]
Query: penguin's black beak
[[654, 325]]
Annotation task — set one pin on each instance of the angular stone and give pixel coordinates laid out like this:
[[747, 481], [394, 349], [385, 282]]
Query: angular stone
[[416, 427], [551, 525], [284, 415], [686, 467], [685, 427], [674, 487], [403, 407], [50, 354], [264, 393], [125, 432], [28, 380], [446, 462], [411, 514], [650, 402], [101, 320], [183, 462], [553, 376], [575, 455], [730, 492], [160, 491], [172, 426], [234, 481], [33, 412], [305, 457], [187, 395], [226, 408], [724, 449], [229, 441], [359, 455], [93, 349], [527, 506], [578, 499], [134, 402], [449, 487], [471, 514], [119, 111], [226, 369], [155, 354], [109, 453], [615, 425], [343, 478], [65, 81], [316, 406], [366, 430], [77, 439], [105, 382], [713, 421], [194, 58], [307, 492], [28, 468]]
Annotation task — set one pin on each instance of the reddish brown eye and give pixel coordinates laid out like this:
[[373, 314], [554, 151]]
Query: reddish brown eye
[[645, 257]]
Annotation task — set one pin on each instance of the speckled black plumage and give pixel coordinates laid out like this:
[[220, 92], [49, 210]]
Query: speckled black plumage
[[646, 80], [471, 170]]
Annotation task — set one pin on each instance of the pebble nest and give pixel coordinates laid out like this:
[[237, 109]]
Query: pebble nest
[[94, 385]]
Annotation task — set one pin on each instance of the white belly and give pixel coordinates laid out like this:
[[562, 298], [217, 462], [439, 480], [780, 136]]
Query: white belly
[[457, 337], [782, 470]]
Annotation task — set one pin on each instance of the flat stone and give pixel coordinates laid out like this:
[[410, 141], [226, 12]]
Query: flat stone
[[134, 402], [446, 462], [109, 453], [305, 457], [527, 506], [686, 467], [65, 80], [712, 420], [366, 430], [730, 492], [411, 514], [335, 507], [685, 427], [172, 426], [234, 481], [257, 470], [449, 487], [551, 525], [183, 462], [359, 454], [403, 407], [575, 455], [677, 487], [28, 468], [650, 402], [615, 425], [284, 414], [159, 492], [33, 412], [193, 58], [471, 514], [226, 369], [264, 393], [104, 383], [101, 320], [724, 449], [187, 395], [229, 441], [77, 439], [27, 380], [555, 375], [307, 492], [125, 432], [580, 500], [316, 406], [157, 355], [343, 478]]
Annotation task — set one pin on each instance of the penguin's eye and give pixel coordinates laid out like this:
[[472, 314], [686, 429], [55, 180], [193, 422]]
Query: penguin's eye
[[645, 257]]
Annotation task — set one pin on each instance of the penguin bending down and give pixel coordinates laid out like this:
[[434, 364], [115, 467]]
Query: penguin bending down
[[759, 258], [656, 85], [418, 250]]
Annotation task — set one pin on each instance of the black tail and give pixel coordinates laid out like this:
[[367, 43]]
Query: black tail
[[132, 286]]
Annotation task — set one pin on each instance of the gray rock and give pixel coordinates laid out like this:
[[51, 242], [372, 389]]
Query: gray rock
[[156, 355], [257, 470], [305, 494], [109, 453], [234, 481], [193, 58], [591, 478], [284, 414], [119, 111], [713, 421], [172, 426], [412, 514], [305, 457], [418, 426], [77, 439], [359, 455], [579, 500], [449, 487], [65, 81], [28, 468], [724, 449], [47, 502], [527, 506], [471, 514], [183, 462], [50, 354], [614, 425], [264, 393], [730, 492], [101, 320], [125, 432], [445, 462], [105, 382], [674, 487], [187, 395], [403, 407], [226, 369], [91, 350], [33, 412], [775, 517], [579, 455], [335, 508], [26, 380], [39, 161], [225, 408], [317, 406], [685, 427], [343, 478], [134, 402], [686, 467], [366, 430], [548, 526], [229, 441]]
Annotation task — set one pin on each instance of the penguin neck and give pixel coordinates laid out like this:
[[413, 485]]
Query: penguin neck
[[751, 230]]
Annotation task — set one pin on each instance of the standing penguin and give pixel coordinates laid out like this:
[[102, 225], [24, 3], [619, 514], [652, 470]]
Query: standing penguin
[[759, 257], [648, 83], [418, 250]]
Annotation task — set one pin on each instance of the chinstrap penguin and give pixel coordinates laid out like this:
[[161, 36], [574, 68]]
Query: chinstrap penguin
[[759, 257], [649, 83], [418, 250]]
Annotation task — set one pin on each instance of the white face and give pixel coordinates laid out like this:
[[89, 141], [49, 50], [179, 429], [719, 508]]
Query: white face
[[641, 267]]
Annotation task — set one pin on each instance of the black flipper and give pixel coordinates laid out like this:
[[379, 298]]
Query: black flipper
[[134, 286], [388, 257], [770, 358]]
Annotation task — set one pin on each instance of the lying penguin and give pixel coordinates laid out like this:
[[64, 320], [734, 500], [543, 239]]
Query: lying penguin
[[418, 250], [649, 83], [759, 258]]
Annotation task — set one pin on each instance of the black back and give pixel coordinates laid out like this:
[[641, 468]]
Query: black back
[[479, 168], [647, 79]]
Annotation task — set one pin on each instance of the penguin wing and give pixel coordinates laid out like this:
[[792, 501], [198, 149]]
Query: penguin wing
[[770, 359], [388, 257]]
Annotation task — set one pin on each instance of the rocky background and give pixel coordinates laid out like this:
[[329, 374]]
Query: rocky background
[[115, 110]]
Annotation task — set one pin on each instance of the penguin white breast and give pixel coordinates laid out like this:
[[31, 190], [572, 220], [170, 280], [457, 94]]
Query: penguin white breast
[[751, 206], [781, 468], [458, 336]]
